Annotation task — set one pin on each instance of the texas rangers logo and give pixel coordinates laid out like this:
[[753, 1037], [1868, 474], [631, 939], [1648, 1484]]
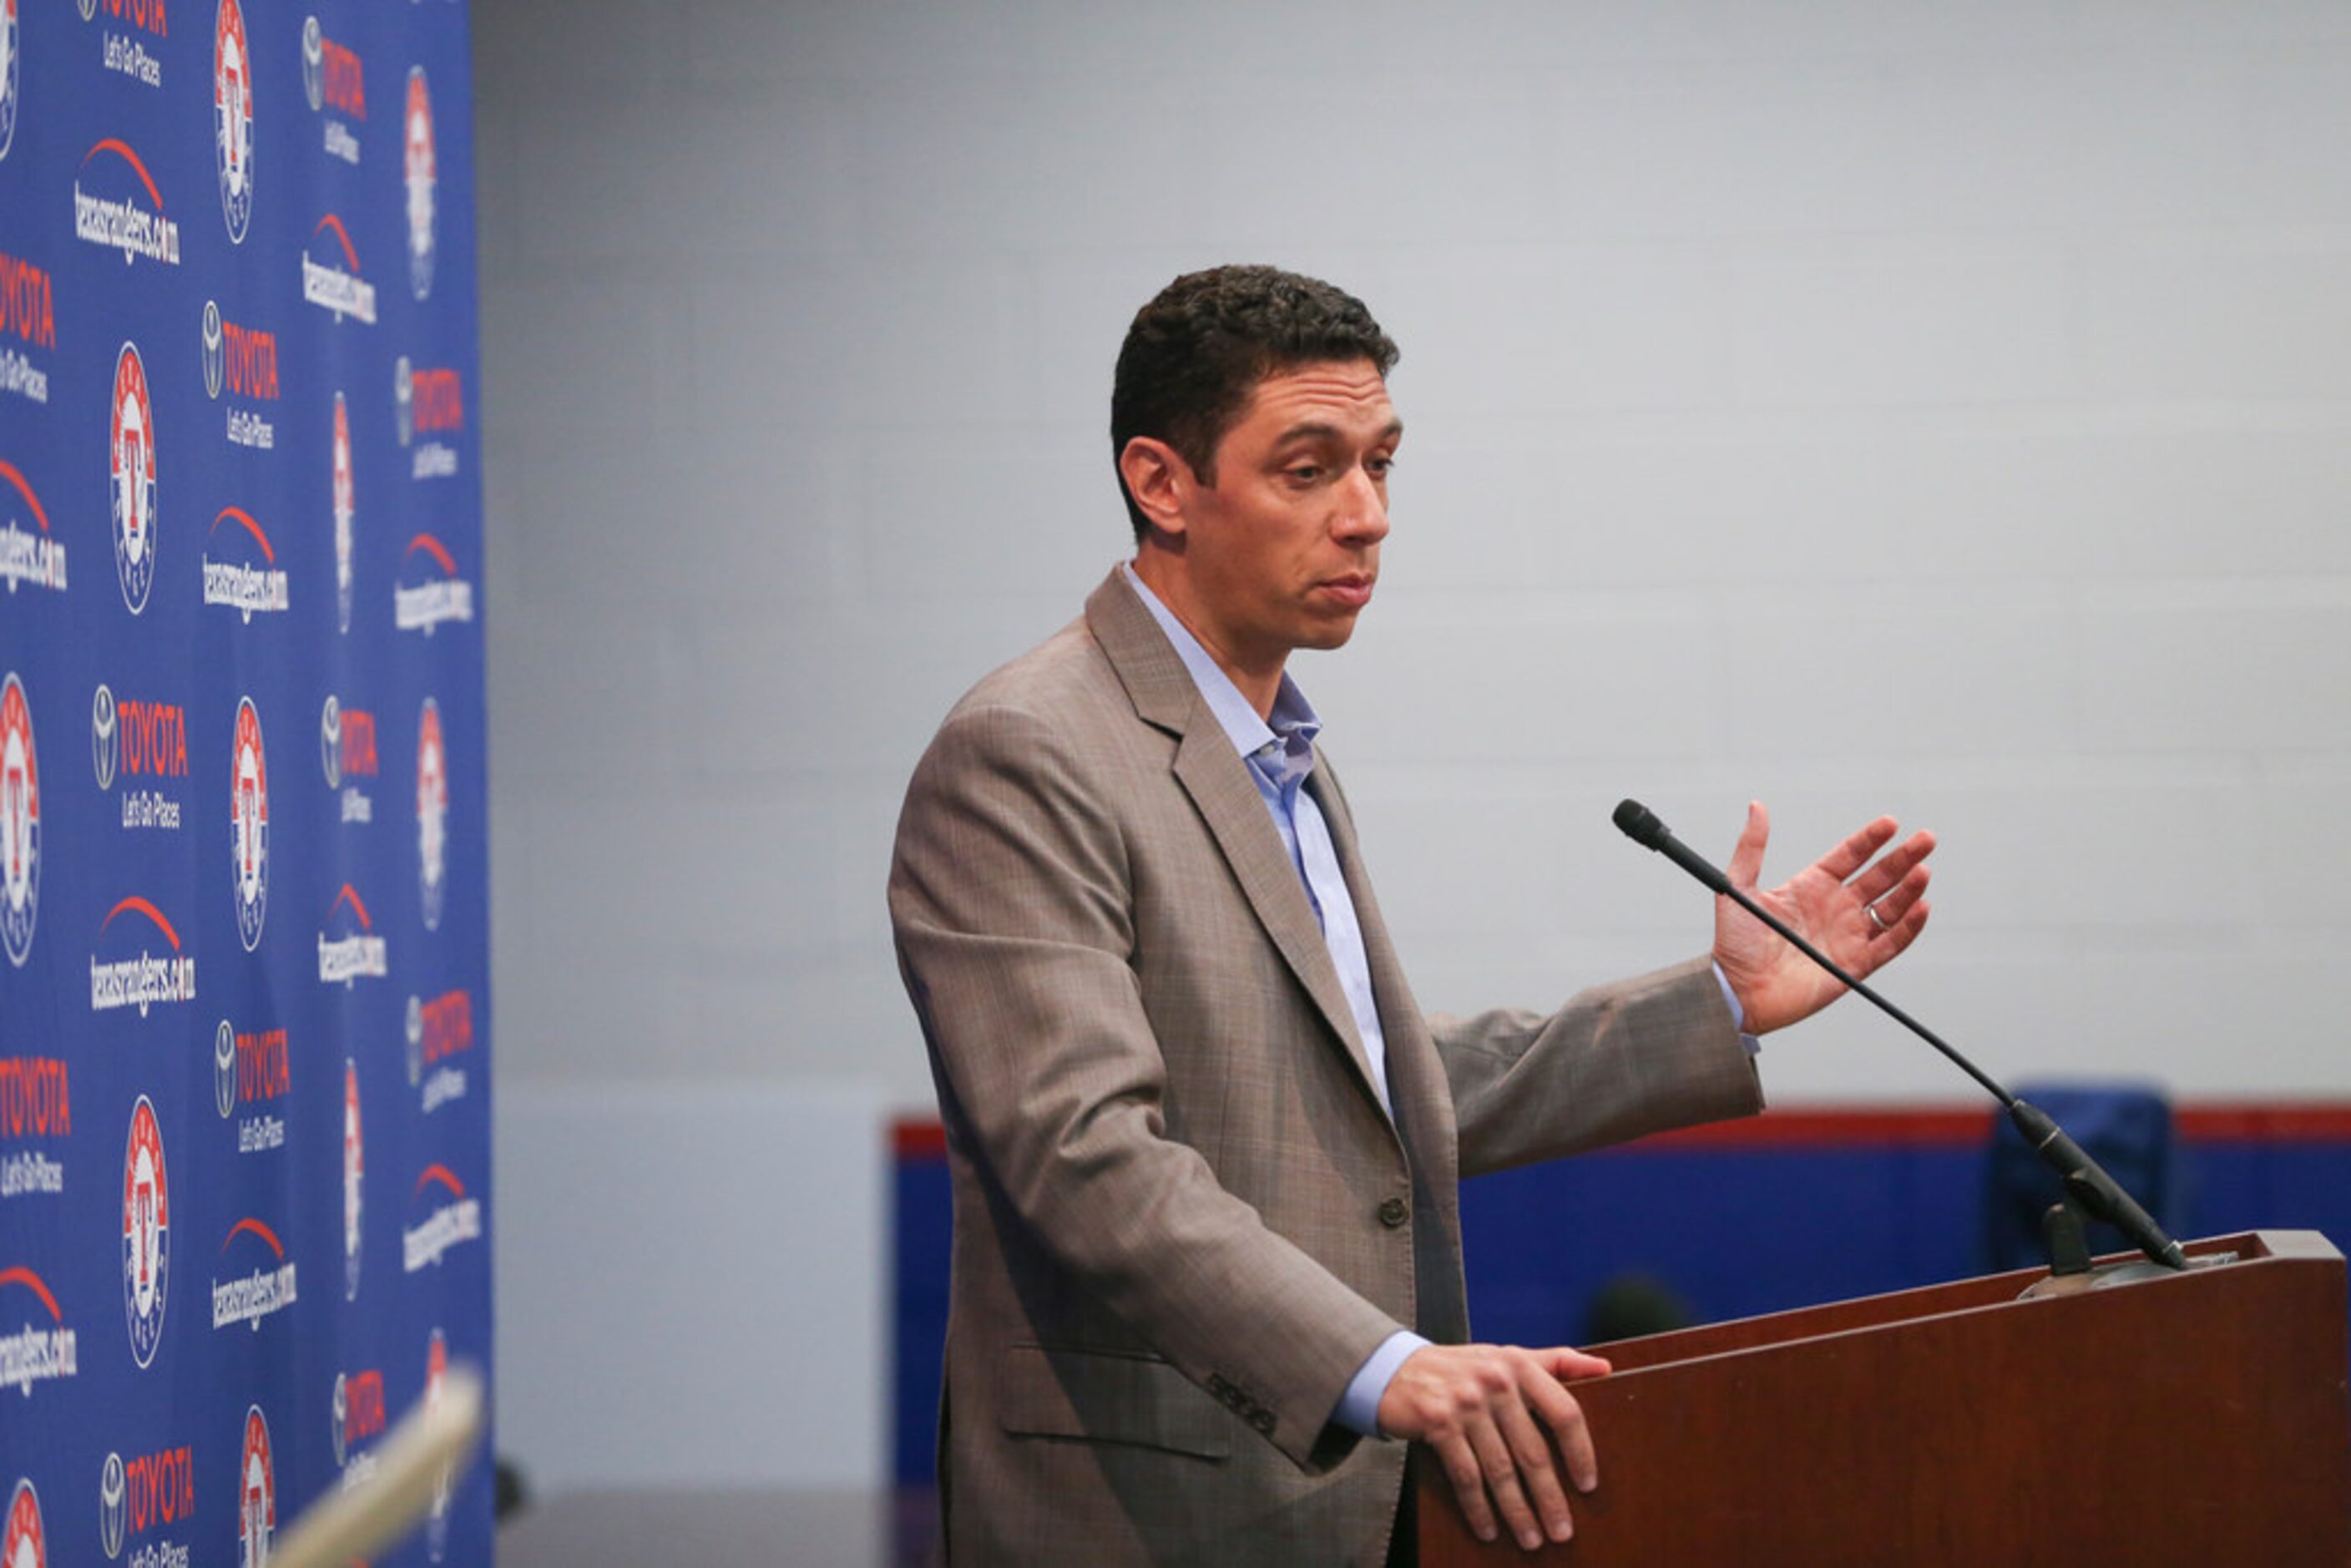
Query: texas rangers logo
[[132, 449], [249, 825], [257, 1510], [404, 399], [354, 1171], [431, 815], [421, 173], [113, 1506], [8, 42], [225, 1070], [232, 117], [25, 1546], [146, 1232], [346, 503], [20, 823], [314, 64], [216, 358]]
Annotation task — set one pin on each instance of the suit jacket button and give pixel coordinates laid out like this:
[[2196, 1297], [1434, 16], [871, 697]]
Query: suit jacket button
[[1394, 1213]]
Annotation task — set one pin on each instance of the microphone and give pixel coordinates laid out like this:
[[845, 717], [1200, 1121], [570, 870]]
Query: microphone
[[1641, 825], [2086, 1181]]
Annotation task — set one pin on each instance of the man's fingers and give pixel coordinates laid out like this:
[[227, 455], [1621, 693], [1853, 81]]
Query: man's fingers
[[1501, 1472], [1504, 1427], [1468, 1483], [1890, 909], [1853, 853], [1872, 884], [1747, 860], [1533, 1450], [1565, 1416], [1565, 1362], [1906, 931], [1887, 945]]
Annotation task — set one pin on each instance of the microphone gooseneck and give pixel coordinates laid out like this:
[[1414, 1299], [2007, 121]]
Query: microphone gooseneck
[[2086, 1181]]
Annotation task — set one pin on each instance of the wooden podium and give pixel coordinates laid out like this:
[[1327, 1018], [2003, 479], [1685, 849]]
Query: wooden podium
[[2202, 1418]]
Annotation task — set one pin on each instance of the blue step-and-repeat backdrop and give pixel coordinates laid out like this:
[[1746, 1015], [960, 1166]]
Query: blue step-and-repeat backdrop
[[245, 1181]]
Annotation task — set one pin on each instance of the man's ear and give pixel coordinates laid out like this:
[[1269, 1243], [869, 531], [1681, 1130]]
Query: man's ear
[[1159, 480]]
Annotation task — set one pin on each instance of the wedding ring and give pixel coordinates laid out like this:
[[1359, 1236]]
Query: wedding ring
[[1874, 918]]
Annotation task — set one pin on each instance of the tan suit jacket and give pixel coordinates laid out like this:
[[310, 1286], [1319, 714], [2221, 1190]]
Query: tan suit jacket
[[1182, 1220]]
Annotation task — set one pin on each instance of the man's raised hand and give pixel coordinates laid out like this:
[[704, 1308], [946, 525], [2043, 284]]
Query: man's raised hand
[[1862, 921]]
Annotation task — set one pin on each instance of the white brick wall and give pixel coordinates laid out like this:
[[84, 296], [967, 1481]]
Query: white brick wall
[[1917, 407]]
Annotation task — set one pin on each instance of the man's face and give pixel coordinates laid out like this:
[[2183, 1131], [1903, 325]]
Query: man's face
[[1282, 550]]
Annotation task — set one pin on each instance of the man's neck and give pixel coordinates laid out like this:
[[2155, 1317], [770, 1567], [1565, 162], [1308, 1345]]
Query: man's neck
[[1257, 682]]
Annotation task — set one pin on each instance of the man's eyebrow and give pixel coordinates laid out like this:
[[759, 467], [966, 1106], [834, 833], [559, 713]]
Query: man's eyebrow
[[1320, 431]]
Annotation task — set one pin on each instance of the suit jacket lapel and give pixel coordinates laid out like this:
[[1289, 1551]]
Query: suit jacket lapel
[[1218, 781], [1416, 1083], [1416, 1075]]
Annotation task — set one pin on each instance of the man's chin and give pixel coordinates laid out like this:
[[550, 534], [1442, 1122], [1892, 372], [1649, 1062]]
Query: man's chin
[[1329, 631]]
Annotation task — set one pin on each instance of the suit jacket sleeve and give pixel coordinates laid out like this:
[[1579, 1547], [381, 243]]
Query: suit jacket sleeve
[[1010, 896], [1617, 1062]]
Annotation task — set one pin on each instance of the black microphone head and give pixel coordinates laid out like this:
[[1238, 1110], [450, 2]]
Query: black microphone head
[[1640, 824]]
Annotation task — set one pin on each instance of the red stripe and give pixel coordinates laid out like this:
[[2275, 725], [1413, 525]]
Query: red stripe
[[1832, 1127], [26, 1277], [359, 908], [918, 1139], [8, 472], [113, 144], [258, 1230], [241, 516], [341, 234], [2313, 1122], [915, 1140], [440, 552], [443, 1174], [147, 909]]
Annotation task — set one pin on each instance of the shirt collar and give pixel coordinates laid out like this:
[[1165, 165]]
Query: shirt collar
[[1294, 722]]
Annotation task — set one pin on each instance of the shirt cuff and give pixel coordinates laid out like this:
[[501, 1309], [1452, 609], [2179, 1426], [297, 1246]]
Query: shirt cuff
[[1738, 1013], [1359, 1407]]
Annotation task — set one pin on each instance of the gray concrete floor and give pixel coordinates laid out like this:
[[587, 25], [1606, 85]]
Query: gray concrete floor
[[721, 1529]]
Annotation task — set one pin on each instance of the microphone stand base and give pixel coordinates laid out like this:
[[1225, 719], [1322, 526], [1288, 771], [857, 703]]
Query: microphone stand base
[[2106, 1276]]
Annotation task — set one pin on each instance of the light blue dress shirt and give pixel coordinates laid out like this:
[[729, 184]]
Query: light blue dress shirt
[[1279, 751]]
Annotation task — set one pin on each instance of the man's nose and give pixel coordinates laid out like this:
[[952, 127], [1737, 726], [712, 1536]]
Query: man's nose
[[1362, 516]]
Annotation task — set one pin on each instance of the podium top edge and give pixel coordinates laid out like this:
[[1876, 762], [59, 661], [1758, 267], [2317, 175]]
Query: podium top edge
[[1896, 1310], [2294, 1244]]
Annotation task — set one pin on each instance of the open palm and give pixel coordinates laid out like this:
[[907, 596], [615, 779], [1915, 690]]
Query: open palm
[[1830, 903]]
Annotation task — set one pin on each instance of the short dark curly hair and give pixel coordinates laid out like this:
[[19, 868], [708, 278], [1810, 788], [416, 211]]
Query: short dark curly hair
[[1197, 350]]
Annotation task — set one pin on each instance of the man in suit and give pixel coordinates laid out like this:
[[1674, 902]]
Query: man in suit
[[1204, 1143]]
